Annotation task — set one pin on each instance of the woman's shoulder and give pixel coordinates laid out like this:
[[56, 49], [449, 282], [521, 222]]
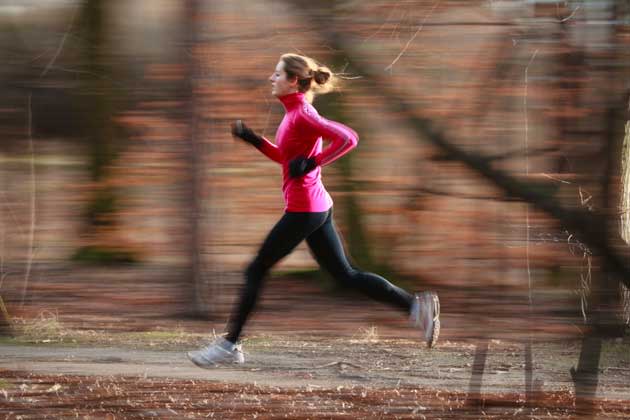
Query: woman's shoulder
[[308, 113]]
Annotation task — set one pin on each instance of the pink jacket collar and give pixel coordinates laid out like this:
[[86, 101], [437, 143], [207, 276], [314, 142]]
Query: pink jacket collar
[[292, 100]]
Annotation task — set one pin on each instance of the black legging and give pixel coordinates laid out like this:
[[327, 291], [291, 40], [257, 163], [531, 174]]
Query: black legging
[[319, 231]]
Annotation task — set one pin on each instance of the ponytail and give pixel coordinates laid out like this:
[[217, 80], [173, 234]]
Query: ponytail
[[313, 78], [321, 75]]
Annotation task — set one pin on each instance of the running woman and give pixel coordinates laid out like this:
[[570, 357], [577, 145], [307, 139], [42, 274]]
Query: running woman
[[308, 213]]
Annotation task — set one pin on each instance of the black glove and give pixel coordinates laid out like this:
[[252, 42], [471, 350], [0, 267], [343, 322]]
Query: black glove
[[300, 166], [243, 132]]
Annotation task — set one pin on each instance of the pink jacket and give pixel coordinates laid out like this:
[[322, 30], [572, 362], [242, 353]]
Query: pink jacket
[[300, 134]]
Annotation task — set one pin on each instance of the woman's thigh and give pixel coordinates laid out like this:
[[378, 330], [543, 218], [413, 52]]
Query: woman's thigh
[[287, 233], [327, 247]]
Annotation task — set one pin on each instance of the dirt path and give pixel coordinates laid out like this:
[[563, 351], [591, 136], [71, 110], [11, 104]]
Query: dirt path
[[303, 379], [112, 355], [335, 362]]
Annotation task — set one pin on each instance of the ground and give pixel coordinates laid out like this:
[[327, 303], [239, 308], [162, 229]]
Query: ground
[[307, 377], [86, 350]]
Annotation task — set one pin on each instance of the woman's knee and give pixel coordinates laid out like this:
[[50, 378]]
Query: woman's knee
[[347, 276], [256, 270]]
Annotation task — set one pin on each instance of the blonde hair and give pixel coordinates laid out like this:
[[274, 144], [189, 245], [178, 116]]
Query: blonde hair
[[312, 77]]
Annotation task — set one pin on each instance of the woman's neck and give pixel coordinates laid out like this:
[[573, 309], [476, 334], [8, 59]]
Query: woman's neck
[[291, 100]]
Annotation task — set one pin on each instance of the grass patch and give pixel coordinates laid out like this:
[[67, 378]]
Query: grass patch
[[103, 255], [617, 350], [264, 341], [47, 329], [162, 339], [366, 335], [4, 384], [316, 277], [307, 274]]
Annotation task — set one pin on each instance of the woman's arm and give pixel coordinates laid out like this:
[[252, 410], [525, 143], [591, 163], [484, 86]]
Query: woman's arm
[[270, 150], [343, 138], [240, 130]]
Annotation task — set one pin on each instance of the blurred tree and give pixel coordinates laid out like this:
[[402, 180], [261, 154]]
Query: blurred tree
[[608, 124], [625, 208], [332, 106], [359, 249], [200, 305], [623, 30], [103, 245], [604, 301], [6, 328]]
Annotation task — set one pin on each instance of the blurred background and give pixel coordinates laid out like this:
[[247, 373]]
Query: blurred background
[[491, 167]]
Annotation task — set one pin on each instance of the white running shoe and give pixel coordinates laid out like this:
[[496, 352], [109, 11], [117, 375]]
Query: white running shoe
[[219, 352], [425, 314]]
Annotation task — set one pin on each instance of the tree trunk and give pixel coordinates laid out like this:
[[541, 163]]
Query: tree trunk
[[193, 205], [604, 299], [102, 242], [625, 210], [5, 319]]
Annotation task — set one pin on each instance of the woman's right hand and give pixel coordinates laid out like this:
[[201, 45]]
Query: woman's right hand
[[243, 132]]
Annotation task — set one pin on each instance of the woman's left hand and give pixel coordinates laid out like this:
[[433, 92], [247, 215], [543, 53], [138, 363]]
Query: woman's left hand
[[300, 166]]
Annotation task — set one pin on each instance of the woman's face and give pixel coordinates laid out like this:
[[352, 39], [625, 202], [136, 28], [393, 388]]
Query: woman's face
[[280, 85]]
